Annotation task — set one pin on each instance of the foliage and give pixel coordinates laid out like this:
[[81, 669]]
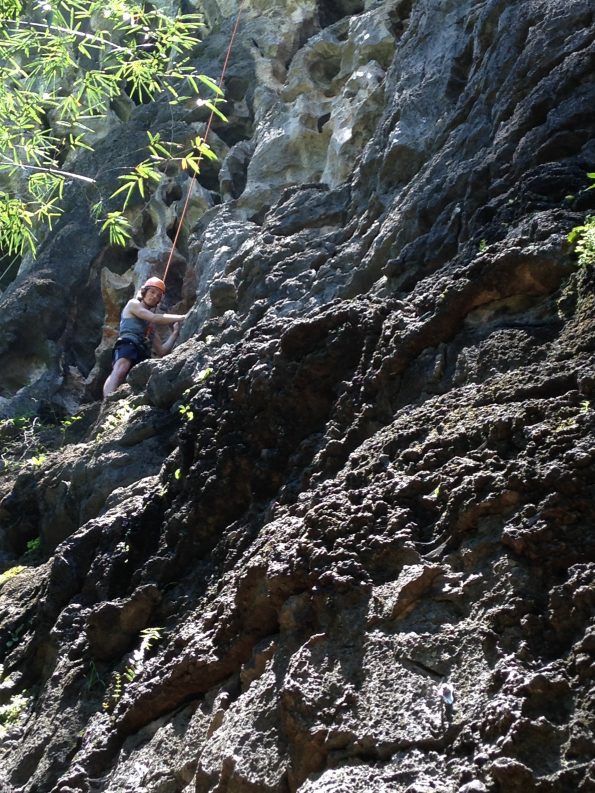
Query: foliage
[[118, 228], [94, 679], [115, 692], [186, 412], [20, 426], [62, 65], [149, 170], [67, 423], [583, 239], [565, 424], [115, 420], [570, 421], [34, 545], [12, 712], [25, 442], [8, 574], [204, 375], [20, 443], [148, 637]]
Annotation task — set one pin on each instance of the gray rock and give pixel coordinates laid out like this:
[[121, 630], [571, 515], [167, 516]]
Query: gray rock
[[356, 499], [475, 786]]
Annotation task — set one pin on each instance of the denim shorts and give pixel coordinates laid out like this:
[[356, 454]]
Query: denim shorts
[[125, 348]]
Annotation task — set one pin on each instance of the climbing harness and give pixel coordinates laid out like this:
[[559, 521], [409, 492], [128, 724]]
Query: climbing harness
[[210, 121]]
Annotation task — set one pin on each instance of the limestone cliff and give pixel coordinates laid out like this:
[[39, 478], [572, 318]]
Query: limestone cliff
[[341, 539]]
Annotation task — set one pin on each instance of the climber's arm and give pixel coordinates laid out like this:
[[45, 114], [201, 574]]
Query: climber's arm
[[163, 347], [136, 309]]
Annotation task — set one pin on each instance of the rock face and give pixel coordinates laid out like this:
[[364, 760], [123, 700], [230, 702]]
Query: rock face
[[341, 538]]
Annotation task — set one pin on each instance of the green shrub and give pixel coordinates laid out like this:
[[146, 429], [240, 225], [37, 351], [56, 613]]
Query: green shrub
[[583, 239], [12, 712], [34, 545]]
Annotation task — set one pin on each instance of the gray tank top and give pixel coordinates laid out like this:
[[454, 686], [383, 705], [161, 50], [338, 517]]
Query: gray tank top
[[137, 330]]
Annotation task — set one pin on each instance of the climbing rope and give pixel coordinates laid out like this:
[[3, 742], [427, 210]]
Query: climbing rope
[[200, 156]]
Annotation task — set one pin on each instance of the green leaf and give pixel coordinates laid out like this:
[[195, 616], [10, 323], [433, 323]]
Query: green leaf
[[216, 111], [97, 48], [210, 84], [126, 188], [205, 149], [204, 374], [583, 239], [118, 228], [190, 163], [10, 9]]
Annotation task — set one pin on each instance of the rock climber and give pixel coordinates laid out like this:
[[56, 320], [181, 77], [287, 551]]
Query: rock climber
[[137, 338]]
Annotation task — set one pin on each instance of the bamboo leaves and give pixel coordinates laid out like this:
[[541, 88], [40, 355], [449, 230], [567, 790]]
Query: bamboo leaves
[[117, 227], [142, 173], [61, 67]]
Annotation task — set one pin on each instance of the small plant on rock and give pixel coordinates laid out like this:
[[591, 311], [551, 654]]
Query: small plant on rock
[[34, 545], [204, 375], [94, 679], [6, 576], [37, 460], [21, 443], [148, 637], [114, 693], [12, 712], [115, 420], [66, 424], [583, 239], [186, 412]]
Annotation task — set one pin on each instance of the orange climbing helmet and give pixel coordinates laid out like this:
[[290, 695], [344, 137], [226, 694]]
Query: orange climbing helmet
[[156, 282]]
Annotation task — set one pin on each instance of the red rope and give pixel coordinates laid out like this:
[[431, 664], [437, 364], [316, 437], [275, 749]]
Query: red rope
[[200, 156]]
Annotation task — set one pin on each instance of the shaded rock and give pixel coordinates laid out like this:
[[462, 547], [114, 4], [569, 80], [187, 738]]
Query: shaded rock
[[111, 627], [307, 208]]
